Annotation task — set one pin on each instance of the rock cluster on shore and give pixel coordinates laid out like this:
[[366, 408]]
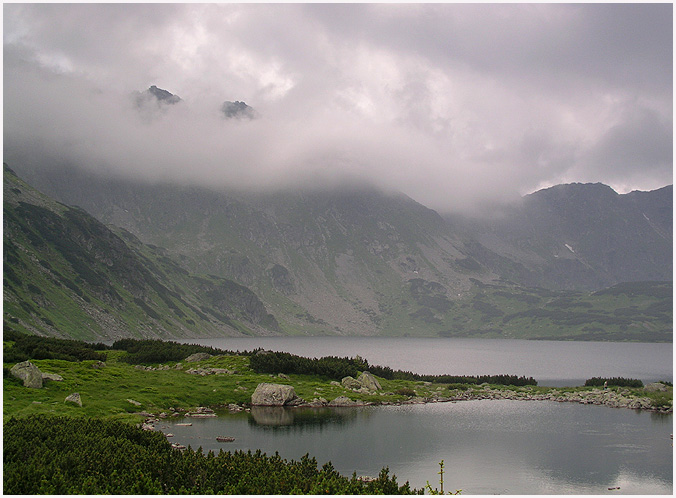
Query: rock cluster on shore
[[615, 399], [620, 398]]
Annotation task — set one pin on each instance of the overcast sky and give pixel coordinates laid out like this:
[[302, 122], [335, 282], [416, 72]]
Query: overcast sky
[[457, 106]]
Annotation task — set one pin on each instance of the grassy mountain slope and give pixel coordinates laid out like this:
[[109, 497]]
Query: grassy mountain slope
[[362, 262], [335, 262], [67, 274]]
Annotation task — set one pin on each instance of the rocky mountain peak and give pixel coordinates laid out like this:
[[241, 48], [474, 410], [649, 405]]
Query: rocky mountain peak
[[238, 110]]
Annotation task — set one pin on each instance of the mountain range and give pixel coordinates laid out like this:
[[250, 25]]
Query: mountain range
[[574, 261]]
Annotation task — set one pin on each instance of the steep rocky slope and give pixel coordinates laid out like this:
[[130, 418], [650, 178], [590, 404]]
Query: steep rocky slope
[[578, 237], [67, 274]]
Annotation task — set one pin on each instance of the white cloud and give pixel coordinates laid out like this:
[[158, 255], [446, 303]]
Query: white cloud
[[456, 105]]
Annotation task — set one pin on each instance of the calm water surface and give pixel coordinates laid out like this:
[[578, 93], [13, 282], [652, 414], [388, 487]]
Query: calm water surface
[[488, 446], [551, 363]]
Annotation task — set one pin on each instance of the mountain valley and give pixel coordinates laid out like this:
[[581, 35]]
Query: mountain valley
[[342, 262]]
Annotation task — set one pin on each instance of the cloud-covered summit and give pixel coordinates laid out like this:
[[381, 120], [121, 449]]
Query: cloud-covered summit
[[457, 105], [238, 110]]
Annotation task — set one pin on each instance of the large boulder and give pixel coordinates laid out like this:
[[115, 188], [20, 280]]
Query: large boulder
[[369, 381], [29, 373], [273, 395], [350, 383]]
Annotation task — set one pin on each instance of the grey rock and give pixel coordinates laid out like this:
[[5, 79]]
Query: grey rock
[[197, 357], [295, 402], [98, 364], [74, 398], [135, 403], [343, 401], [273, 395], [29, 373], [51, 376], [369, 381], [350, 383]]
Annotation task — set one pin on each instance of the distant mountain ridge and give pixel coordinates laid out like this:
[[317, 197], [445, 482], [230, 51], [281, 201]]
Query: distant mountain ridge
[[356, 261], [579, 237]]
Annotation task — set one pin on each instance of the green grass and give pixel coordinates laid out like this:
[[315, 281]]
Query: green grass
[[104, 391]]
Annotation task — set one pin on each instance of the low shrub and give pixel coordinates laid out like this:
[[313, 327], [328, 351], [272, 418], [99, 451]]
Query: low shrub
[[32, 347], [613, 381], [63, 455]]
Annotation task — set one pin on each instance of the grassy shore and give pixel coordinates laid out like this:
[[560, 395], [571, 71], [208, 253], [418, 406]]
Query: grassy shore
[[107, 391]]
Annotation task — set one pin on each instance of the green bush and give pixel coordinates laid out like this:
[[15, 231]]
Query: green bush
[[32, 347], [337, 368], [158, 351], [405, 391], [614, 381], [333, 367], [63, 455]]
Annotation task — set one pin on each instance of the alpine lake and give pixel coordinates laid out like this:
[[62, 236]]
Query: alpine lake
[[487, 446]]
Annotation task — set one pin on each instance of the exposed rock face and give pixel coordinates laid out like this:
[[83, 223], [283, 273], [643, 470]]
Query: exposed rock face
[[29, 373], [198, 357], [281, 279], [369, 381], [350, 383], [273, 395], [74, 398], [366, 382]]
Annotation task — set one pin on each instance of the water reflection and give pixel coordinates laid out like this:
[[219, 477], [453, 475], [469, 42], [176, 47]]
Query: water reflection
[[277, 417], [509, 447]]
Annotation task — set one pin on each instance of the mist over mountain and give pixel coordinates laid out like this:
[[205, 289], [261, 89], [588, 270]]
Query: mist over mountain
[[157, 96], [358, 261], [238, 110], [578, 237]]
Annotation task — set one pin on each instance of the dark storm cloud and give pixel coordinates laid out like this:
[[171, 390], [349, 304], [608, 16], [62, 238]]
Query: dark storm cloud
[[456, 105]]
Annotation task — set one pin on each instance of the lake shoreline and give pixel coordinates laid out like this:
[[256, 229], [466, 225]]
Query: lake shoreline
[[618, 398], [609, 398]]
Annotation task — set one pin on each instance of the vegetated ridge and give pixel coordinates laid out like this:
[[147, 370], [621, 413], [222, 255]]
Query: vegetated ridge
[[357, 261], [66, 274]]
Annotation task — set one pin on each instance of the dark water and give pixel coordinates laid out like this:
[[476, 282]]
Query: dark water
[[551, 363], [488, 447]]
